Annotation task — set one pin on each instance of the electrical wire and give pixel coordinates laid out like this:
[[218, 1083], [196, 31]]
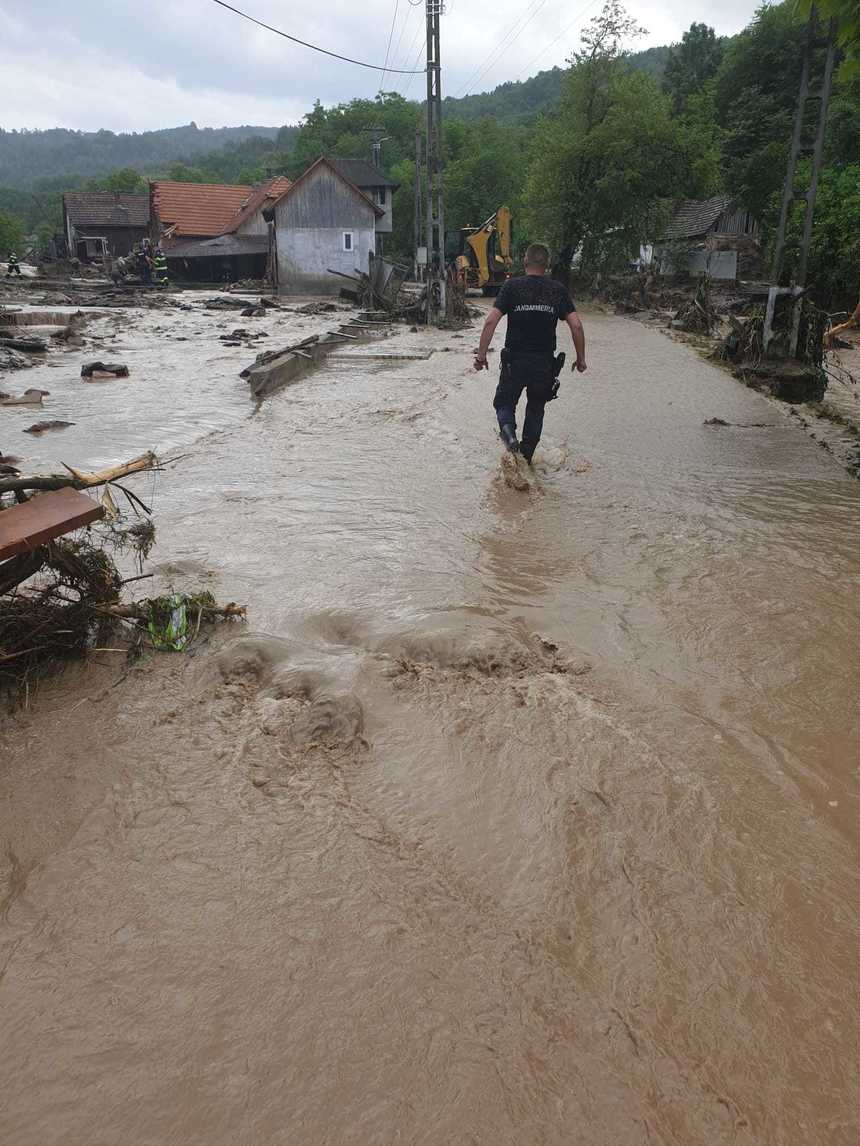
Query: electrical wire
[[493, 55], [388, 49], [412, 74], [403, 24], [563, 32], [313, 47]]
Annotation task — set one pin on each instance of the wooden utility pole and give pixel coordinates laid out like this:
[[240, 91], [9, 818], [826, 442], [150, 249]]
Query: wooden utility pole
[[801, 144], [435, 214]]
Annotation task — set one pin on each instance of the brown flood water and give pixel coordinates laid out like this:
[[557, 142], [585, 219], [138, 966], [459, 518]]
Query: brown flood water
[[514, 819]]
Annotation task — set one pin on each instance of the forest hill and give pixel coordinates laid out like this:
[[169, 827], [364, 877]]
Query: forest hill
[[707, 116]]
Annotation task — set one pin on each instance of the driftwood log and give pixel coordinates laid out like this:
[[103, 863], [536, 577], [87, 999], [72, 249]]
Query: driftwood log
[[835, 331], [140, 613]]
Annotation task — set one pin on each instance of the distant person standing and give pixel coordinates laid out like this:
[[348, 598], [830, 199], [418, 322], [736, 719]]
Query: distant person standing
[[144, 266], [13, 267], [160, 265], [534, 304]]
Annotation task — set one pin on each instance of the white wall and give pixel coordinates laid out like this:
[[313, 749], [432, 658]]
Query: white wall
[[310, 221], [305, 255]]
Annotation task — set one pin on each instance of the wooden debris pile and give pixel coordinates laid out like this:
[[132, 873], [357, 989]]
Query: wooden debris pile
[[697, 316], [61, 595]]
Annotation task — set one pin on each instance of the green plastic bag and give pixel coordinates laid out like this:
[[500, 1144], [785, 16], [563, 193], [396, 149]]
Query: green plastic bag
[[168, 622]]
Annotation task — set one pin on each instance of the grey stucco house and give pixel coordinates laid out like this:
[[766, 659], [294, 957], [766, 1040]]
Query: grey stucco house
[[322, 222]]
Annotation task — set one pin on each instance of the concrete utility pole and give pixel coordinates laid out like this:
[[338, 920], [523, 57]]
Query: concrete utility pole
[[419, 265], [435, 215], [378, 137], [802, 145]]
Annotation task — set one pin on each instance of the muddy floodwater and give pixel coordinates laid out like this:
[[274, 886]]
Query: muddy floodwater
[[510, 818]]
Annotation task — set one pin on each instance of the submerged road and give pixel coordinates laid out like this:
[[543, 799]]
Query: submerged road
[[522, 818]]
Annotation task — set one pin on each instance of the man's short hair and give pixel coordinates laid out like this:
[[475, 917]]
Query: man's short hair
[[537, 255]]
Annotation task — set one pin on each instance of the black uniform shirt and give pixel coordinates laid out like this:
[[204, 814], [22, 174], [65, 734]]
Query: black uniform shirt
[[534, 305]]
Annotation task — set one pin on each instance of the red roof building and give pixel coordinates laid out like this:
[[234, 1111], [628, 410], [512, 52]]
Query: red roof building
[[194, 210], [249, 218]]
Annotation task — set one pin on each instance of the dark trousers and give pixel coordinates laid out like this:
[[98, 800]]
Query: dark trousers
[[533, 373]]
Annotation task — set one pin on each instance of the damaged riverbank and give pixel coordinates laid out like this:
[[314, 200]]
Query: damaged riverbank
[[510, 817]]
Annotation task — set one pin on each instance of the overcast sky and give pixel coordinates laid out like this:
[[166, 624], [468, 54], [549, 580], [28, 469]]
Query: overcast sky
[[132, 65]]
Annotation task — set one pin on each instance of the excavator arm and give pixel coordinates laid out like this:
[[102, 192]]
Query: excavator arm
[[489, 258]]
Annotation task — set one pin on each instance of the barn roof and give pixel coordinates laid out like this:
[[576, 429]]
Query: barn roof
[[692, 217], [259, 198], [362, 173], [330, 163], [199, 209], [106, 209]]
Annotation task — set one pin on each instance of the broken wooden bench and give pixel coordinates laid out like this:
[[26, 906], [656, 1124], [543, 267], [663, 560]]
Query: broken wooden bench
[[24, 527]]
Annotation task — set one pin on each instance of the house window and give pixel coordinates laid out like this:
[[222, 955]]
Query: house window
[[379, 196], [348, 241]]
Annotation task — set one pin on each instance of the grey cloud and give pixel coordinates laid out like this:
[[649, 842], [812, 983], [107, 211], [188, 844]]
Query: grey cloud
[[132, 65]]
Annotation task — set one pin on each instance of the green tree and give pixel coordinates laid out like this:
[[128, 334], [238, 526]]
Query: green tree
[[11, 234], [486, 167], [691, 64], [601, 166], [834, 255], [182, 173], [125, 179], [345, 131], [755, 95]]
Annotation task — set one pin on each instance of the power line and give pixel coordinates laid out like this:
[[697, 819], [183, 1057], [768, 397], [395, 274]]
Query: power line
[[563, 32], [403, 25], [413, 74], [313, 47], [388, 49], [494, 52]]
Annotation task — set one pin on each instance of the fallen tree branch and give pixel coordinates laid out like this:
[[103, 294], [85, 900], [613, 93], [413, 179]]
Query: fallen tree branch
[[79, 479], [140, 612], [835, 331]]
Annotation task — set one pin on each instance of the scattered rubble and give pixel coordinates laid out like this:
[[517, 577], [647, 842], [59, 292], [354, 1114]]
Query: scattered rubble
[[41, 427], [316, 308], [697, 316], [13, 359], [30, 397], [225, 302], [101, 371], [25, 345]]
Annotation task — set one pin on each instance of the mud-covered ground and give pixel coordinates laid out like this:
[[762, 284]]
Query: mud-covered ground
[[510, 818]]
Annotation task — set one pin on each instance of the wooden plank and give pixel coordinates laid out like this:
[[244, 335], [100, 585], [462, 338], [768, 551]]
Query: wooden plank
[[42, 518]]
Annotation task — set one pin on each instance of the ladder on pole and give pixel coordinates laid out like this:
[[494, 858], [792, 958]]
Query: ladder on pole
[[802, 145]]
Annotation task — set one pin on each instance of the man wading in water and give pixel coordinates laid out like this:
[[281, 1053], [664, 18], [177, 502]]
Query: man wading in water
[[533, 304]]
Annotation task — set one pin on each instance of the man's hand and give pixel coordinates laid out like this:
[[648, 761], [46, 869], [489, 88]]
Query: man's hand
[[579, 367], [490, 325]]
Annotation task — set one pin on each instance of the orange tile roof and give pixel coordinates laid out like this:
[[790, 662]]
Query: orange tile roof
[[269, 191], [199, 209]]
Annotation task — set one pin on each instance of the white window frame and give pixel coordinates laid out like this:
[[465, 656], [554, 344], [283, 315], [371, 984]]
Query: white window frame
[[349, 241]]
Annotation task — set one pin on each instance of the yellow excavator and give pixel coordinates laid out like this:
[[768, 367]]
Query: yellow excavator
[[484, 259]]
